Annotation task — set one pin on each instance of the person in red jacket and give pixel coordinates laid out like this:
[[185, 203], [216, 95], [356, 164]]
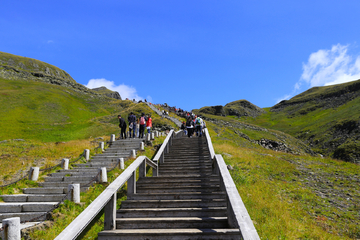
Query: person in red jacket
[[149, 124]]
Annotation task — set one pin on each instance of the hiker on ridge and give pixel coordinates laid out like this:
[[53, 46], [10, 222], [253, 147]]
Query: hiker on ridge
[[190, 126], [142, 125], [198, 125], [132, 124], [149, 124], [122, 126]]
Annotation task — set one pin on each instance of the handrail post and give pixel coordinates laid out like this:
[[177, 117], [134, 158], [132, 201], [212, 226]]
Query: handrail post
[[110, 213], [142, 169], [162, 158], [155, 171], [131, 184]]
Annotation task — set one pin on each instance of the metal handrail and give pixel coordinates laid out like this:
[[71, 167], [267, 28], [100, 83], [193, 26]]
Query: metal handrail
[[107, 200], [238, 216]]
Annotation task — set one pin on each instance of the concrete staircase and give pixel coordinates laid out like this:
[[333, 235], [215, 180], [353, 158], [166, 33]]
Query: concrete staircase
[[184, 202], [175, 120], [36, 202]]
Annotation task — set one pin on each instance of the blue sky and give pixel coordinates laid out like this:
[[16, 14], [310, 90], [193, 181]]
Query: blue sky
[[190, 54]]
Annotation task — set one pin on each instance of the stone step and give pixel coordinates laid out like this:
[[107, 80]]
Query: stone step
[[184, 172], [112, 156], [77, 170], [185, 167], [105, 161], [50, 190], [70, 179], [196, 203], [33, 197], [176, 189], [63, 184], [179, 183], [168, 163], [171, 222], [13, 207], [177, 196], [164, 234], [120, 150], [92, 172], [96, 165], [183, 178], [171, 212], [25, 216]]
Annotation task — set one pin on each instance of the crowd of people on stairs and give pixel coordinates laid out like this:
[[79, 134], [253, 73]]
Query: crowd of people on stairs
[[193, 125], [136, 125]]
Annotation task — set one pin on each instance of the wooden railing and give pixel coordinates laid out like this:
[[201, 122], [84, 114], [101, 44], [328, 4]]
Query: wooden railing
[[165, 147], [107, 200], [238, 216]]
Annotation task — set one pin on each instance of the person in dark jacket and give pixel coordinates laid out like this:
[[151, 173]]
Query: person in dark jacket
[[132, 124], [190, 126], [122, 126]]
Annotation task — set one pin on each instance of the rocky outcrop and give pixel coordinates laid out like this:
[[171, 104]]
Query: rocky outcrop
[[238, 108], [17, 68], [281, 142], [107, 92]]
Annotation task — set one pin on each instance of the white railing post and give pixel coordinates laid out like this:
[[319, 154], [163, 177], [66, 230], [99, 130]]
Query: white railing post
[[11, 229], [133, 153], [142, 146], [122, 165], [75, 192], [65, 163], [101, 146], [34, 173], [103, 175], [112, 138], [87, 154]]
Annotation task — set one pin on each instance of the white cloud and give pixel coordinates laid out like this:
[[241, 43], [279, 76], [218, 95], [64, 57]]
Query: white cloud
[[124, 90], [328, 67]]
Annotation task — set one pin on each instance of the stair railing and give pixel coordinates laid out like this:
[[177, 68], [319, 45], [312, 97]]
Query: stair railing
[[165, 147], [107, 200], [238, 216]]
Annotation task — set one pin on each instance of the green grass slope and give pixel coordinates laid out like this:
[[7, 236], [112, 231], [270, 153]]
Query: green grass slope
[[289, 196], [37, 110], [52, 113], [327, 118]]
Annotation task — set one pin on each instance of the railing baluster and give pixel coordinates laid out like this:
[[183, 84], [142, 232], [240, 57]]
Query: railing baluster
[[131, 184], [110, 213]]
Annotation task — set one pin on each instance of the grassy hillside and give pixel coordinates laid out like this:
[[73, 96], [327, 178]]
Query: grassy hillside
[[327, 118], [291, 196], [15, 67], [42, 123], [36, 110]]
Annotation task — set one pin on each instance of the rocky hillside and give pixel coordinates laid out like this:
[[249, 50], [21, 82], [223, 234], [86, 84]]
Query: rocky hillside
[[107, 92], [327, 118], [237, 108]]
